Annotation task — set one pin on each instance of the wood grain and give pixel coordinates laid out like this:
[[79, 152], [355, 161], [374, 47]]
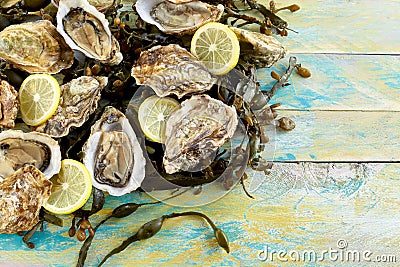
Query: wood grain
[[331, 26], [339, 82], [339, 136], [353, 204]]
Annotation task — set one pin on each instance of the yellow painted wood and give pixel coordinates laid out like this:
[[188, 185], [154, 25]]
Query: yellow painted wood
[[339, 82], [340, 136], [332, 26], [312, 216]]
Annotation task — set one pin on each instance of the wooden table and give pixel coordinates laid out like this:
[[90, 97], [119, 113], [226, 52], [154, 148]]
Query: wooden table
[[336, 181]]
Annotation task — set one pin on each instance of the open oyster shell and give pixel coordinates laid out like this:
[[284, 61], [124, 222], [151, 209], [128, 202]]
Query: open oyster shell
[[35, 47], [100, 5], [86, 29], [18, 149], [184, 17], [195, 132], [78, 100], [9, 105], [261, 50], [113, 154], [172, 69], [21, 196]]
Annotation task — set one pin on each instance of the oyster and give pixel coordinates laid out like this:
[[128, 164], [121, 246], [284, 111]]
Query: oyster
[[18, 149], [78, 100], [195, 132], [172, 69], [8, 3], [9, 105], [180, 18], [259, 49], [85, 29], [100, 5], [21, 197], [113, 154], [35, 47]]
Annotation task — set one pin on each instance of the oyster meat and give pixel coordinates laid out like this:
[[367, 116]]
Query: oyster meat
[[9, 105], [172, 69], [21, 196], [195, 132], [181, 17], [18, 149], [35, 47], [78, 100], [261, 50], [113, 155], [86, 29]]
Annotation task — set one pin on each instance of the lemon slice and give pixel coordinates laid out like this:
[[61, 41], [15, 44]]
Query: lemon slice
[[153, 115], [39, 96], [217, 47], [71, 188]]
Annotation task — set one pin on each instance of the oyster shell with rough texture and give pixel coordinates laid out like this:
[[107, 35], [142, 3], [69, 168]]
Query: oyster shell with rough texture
[[113, 155], [100, 5], [8, 3], [9, 105], [18, 149], [86, 29], [78, 100], [35, 47], [261, 50], [21, 196], [182, 18], [172, 69], [195, 132]]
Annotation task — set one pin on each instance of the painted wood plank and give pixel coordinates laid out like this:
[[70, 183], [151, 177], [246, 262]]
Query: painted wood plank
[[339, 82], [342, 26], [339, 136], [350, 202]]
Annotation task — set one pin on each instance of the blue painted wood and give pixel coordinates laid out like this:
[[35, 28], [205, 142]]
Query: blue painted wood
[[339, 82]]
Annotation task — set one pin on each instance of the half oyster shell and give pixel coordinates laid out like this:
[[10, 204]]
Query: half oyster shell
[[180, 18], [86, 29], [9, 105], [113, 154], [100, 5], [195, 132], [18, 149], [21, 196], [35, 47], [261, 50], [78, 100], [170, 70]]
